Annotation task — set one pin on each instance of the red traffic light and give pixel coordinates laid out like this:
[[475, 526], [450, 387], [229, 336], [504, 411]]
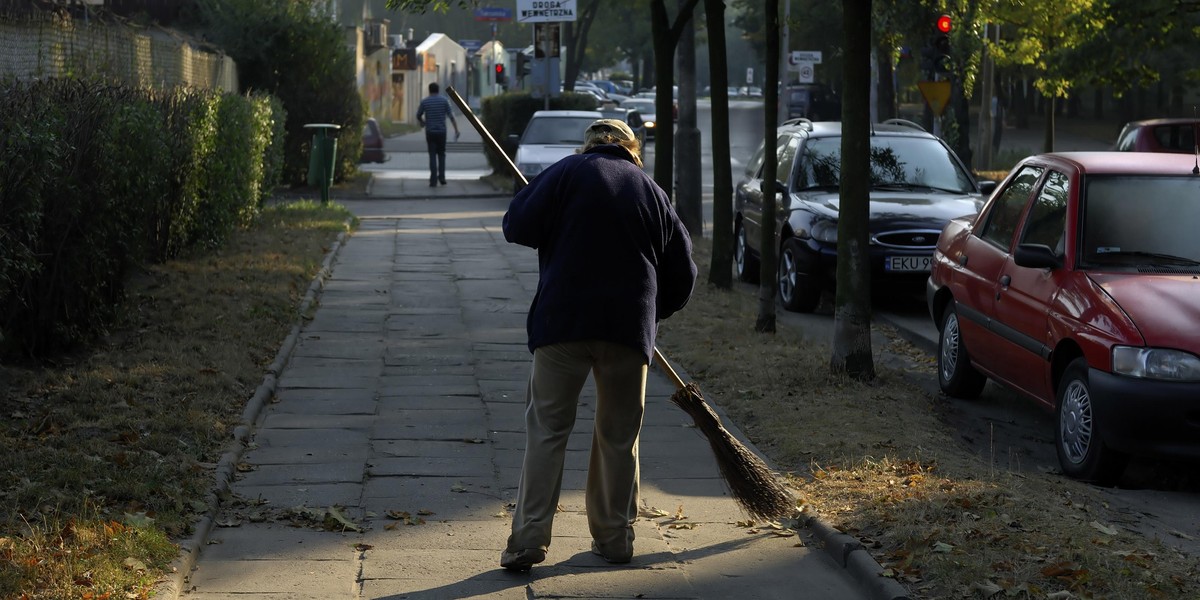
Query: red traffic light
[[499, 69], [943, 24]]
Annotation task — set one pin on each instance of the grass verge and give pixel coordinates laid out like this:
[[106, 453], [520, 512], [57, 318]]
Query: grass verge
[[875, 460], [107, 454]]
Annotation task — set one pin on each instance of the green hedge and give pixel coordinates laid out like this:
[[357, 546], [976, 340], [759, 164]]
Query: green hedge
[[95, 178], [509, 113]]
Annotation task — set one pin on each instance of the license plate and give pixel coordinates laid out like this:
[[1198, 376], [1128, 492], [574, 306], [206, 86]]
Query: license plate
[[908, 263]]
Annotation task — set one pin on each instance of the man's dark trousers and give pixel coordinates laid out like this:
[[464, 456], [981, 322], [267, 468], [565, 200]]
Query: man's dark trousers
[[436, 140]]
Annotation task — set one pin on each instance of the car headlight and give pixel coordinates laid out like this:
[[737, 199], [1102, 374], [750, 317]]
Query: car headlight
[[649, 124], [1155, 363], [825, 232], [529, 169]]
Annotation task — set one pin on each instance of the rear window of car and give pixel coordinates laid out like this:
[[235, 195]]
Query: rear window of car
[[894, 160], [1179, 137], [639, 105], [1135, 220], [556, 130]]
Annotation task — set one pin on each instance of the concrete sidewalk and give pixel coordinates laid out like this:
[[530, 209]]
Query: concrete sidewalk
[[398, 422]]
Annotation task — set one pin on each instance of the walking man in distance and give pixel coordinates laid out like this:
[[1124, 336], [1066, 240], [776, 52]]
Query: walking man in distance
[[432, 115]]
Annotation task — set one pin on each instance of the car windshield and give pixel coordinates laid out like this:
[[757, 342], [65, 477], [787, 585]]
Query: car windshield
[[556, 130], [640, 106], [1141, 220], [895, 161]]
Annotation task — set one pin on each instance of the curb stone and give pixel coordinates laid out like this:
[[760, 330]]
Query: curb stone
[[180, 568]]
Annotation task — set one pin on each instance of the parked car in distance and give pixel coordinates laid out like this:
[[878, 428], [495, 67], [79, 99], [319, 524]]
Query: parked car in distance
[[549, 136], [645, 109], [812, 101], [1159, 135], [1077, 286], [372, 143], [917, 185], [630, 116]]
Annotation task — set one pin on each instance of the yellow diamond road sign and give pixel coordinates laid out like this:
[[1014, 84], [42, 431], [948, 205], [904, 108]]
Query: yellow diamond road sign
[[936, 93]]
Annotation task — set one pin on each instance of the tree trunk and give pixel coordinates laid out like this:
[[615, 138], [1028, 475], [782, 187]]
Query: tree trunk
[[852, 305], [666, 37], [720, 272], [1048, 139], [575, 35], [767, 286], [689, 197]]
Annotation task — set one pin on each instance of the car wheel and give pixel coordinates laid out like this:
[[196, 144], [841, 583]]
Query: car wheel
[[956, 376], [745, 266], [798, 289], [1082, 453]]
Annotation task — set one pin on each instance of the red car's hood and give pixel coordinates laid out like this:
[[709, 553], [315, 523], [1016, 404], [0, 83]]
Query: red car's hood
[[1165, 308]]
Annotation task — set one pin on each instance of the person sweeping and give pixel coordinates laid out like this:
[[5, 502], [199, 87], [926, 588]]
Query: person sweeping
[[614, 260]]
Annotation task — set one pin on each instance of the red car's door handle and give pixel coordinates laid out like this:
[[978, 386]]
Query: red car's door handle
[[1005, 280]]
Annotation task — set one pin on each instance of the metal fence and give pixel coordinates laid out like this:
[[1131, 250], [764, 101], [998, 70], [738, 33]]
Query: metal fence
[[49, 45]]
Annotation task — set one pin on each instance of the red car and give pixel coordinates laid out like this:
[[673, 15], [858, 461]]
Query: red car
[[1078, 285], [1176, 135]]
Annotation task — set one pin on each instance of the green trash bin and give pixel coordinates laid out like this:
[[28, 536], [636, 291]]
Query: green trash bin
[[322, 160]]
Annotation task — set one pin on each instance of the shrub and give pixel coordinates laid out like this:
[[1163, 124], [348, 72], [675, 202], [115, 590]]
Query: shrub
[[95, 178], [298, 55]]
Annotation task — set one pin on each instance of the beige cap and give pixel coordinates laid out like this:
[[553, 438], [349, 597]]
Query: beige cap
[[607, 131]]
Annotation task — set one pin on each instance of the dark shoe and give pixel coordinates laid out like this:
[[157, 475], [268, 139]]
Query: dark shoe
[[442, 181], [617, 558], [522, 560], [432, 184]]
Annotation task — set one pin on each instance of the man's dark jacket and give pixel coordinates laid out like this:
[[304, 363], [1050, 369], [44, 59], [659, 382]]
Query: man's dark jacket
[[613, 257]]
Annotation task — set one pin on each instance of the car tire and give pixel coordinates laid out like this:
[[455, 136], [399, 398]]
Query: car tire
[[745, 266], [956, 376], [1082, 453], [799, 290]]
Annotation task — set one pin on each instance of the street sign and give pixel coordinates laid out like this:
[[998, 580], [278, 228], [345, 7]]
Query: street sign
[[799, 56], [470, 45], [937, 95], [492, 13], [545, 11], [749, 75], [804, 72]]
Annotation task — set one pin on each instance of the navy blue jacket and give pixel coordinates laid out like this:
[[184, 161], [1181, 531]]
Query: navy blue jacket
[[613, 257]]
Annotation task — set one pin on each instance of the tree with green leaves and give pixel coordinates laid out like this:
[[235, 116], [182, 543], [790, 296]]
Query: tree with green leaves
[[290, 49], [1050, 32], [852, 303]]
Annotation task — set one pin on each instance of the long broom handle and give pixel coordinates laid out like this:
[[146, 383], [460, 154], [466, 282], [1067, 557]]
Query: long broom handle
[[491, 142]]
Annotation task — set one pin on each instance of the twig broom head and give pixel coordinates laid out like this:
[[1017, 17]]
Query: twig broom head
[[750, 481]]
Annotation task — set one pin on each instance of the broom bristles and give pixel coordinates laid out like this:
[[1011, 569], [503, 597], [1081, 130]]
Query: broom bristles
[[750, 481]]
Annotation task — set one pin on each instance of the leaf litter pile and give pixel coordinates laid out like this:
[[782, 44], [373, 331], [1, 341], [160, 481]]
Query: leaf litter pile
[[874, 460]]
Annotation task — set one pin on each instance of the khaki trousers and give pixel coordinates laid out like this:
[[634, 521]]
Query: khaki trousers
[[559, 373]]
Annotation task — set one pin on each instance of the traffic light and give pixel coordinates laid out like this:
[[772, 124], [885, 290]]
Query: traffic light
[[522, 64], [500, 78], [940, 58]]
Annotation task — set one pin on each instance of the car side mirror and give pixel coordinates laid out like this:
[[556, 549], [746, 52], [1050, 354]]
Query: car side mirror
[[987, 186], [1036, 256], [781, 188]]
